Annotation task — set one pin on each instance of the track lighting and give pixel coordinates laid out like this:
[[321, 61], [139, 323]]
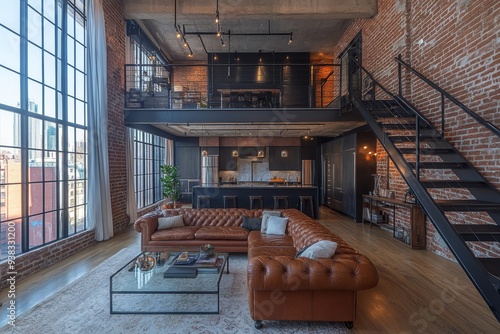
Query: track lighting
[[222, 41], [291, 38]]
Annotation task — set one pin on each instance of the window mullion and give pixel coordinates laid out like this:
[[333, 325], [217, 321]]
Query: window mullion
[[24, 124]]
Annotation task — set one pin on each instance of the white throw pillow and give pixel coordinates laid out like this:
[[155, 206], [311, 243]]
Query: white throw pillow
[[166, 223], [265, 217], [323, 249], [276, 225]]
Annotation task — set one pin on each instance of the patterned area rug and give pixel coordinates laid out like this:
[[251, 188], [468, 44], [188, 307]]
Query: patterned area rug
[[83, 307]]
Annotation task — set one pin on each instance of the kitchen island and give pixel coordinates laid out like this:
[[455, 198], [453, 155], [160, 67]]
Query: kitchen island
[[244, 191]]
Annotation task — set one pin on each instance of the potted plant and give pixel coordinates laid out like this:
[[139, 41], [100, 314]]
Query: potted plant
[[171, 183]]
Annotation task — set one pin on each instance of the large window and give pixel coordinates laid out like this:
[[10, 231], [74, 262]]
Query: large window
[[150, 153], [43, 127], [149, 150]]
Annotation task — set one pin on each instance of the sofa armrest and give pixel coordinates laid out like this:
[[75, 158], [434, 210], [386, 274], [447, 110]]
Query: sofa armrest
[[342, 272], [147, 225]]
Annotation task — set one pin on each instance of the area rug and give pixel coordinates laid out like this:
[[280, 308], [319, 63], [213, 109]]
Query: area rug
[[83, 307]]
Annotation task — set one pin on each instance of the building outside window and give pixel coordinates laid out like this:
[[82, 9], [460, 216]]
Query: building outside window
[[43, 113]]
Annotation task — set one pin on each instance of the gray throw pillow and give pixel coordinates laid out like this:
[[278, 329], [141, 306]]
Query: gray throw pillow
[[252, 223]]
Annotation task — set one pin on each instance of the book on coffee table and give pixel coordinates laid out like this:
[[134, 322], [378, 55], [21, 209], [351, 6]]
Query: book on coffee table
[[214, 267], [203, 260], [180, 272]]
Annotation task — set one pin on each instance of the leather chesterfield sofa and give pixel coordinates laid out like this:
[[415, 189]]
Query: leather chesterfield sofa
[[280, 286]]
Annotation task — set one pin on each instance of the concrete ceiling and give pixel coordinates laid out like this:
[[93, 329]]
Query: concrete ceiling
[[316, 25]]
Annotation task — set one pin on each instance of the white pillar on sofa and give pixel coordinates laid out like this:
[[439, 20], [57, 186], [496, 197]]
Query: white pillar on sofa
[[99, 199]]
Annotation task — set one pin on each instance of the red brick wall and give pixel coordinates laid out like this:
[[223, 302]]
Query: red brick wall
[[192, 78], [115, 41], [320, 73], [455, 44], [29, 263]]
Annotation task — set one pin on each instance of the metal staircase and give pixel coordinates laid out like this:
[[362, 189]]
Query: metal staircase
[[429, 164]]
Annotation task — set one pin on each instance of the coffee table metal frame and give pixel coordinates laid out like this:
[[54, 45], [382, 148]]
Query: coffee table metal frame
[[159, 270]]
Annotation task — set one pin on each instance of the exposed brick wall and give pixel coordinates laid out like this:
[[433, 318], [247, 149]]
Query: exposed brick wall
[[455, 44], [320, 73], [192, 78], [29, 263], [115, 41]]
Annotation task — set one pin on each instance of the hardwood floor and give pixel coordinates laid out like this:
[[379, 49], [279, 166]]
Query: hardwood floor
[[418, 291]]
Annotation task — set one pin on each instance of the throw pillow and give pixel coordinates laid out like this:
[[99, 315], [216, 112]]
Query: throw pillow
[[276, 225], [265, 217], [166, 223], [252, 223], [323, 249]]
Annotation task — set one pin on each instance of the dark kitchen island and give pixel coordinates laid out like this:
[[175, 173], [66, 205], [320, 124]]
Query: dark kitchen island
[[243, 191]]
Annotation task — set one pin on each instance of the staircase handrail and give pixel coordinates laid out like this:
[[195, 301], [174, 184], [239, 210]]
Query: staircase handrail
[[444, 93]]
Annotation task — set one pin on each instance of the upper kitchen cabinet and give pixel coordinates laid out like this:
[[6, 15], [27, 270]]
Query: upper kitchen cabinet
[[227, 160], [284, 158], [349, 172]]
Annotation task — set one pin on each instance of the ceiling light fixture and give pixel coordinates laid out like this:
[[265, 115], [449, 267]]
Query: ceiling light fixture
[[217, 18], [291, 38], [179, 33]]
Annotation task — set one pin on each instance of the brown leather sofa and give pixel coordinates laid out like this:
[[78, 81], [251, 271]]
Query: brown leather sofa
[[218, 227], [280, 286]]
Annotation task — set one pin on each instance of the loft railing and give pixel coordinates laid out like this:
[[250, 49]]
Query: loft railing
[[443, 95], [187, 86]]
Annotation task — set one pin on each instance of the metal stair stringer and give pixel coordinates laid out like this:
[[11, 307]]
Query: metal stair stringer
[[472, 266]]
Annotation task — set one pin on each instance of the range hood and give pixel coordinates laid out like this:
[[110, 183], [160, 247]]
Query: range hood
[[251, 152]]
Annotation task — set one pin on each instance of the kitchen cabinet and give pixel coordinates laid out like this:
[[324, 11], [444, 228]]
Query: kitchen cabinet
[[278, 162], [226, 160], [348, 172]]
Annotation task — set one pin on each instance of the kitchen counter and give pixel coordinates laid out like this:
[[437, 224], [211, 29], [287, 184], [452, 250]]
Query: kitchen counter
[[267, 191]]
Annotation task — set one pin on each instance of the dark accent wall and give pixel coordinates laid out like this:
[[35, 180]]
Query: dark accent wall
[[242, 71]]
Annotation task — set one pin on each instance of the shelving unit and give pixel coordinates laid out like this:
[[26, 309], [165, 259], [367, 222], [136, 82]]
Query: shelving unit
[[417, 217]]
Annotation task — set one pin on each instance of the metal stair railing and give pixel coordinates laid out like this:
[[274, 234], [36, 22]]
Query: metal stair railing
[[465, 257]]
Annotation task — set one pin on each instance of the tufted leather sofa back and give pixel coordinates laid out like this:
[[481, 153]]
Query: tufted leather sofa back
[[213, 217], [305, 231]]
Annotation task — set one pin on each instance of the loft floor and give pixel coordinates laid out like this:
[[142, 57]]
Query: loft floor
[[418, 292]]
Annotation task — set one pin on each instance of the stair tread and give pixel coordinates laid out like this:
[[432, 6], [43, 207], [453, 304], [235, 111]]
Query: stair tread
[[467, 205], [492, 265], [452, 184], [427, 151], [412, 139], [478, 233], [478, 229], [441, 165]]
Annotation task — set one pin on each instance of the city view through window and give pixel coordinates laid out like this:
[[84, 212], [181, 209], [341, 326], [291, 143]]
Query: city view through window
[[43, 122]]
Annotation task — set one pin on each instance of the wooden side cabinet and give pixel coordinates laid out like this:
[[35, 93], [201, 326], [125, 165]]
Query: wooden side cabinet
[[374, 205]]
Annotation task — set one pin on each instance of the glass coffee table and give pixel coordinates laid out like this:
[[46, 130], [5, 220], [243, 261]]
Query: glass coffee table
[[135, 290]]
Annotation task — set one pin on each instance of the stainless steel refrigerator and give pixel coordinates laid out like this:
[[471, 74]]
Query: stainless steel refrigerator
[[210, 170]]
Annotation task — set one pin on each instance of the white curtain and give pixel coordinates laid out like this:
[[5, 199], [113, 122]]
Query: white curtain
[[131, 201], [170, 152], [99, 200]]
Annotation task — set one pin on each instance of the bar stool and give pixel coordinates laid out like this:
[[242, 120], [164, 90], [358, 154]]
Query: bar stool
[[306, 201], [203, 201], [258, 199], [228, 199], [278, 199]]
